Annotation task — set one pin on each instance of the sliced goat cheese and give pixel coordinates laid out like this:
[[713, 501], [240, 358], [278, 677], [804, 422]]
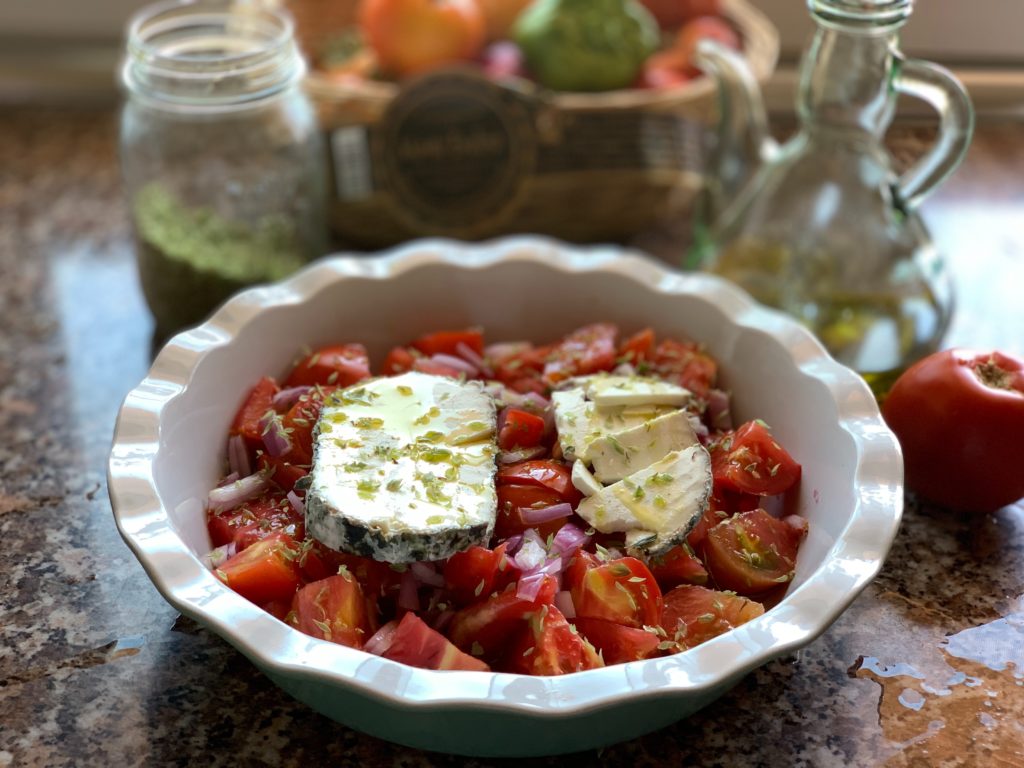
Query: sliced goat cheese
[[619, 454], [583, 480], [607, 390], [403, 468], [666, 498]]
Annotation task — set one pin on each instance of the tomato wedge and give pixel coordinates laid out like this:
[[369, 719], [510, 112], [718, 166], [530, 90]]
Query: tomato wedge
[[617, 643], [416, 644], [266, 571], [549, 646], [695, 614], [749, 460], [513, 499], [542, 473], [257, 403], [300, 421], [521, 429], [687, 364], [622, 591], [281, 473], [473, 574], [678, 566], [447, 342], [638, 348], [434, 368], [399, 360], [254, 520], [752, 552], [587, 350], [332, 609], [486, 629], [340, 366]]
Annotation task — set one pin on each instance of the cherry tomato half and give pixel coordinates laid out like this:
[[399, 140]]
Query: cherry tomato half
[[752, 552], [749, 460], [959, 416], [695, 614]]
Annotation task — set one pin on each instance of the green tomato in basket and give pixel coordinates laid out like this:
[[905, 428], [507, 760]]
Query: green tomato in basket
[[586, 45]]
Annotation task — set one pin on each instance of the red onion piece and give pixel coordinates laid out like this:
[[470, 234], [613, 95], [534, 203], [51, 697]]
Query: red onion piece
[[457, 363], [545, 514], [230, 496], [381, 640], [564, 603], [238, 456], [521, 454], [408, 592], [229, 479], [532, 554], [286, 398], [512, 544], [624, 369], [568, 539], [425, 574], [700, 428], [222, 553], [276, 440], [719, 415], [505, 349], [297, 503], [469, 354], [529, 586]]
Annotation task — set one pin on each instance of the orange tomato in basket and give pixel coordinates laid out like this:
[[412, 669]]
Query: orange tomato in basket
[[415, 36], [500, 15]]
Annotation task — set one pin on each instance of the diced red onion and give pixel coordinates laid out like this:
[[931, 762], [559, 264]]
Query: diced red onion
[[535, 402], [532, 554], [275, 438], [286, 398], [457, 363], [444, 618], [230, 496], [408, 592], [297, 503], [238, 456], [529, 586], [546, 514], [506, 349], [568, 539], [624, 369], [381, 640], [471, 356], [521, 454], [512, 544], [217, 557], [700, 428], [229, 479], [719, 415], [425, 574], [564, 603]]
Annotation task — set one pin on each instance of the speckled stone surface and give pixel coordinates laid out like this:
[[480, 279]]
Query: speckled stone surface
[[926, 667]]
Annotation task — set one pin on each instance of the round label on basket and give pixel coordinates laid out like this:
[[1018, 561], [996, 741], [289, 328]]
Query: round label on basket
[[454, 150]]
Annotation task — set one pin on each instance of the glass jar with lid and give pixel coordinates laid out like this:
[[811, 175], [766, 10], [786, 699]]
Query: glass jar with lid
[[220, 152]]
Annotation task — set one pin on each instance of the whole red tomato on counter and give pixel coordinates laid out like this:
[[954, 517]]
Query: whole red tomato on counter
[[414, 36], [959, 416]]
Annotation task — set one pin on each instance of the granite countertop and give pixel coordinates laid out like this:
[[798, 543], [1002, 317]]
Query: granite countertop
[[925, 668]]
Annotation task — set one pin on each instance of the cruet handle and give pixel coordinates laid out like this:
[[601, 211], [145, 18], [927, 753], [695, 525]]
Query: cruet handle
[[937, 86]]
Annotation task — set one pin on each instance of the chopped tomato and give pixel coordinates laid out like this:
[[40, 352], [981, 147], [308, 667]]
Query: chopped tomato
[[552, 475], [686, 364], [447, 342], [694, 614], [752, 552], [473, 574], [521, 429], [638, 347], [256, 405], [486, 629], [513, 499], [678, 566], [549, 646], [279, 609], [300, 421], [587, 350], [333, 609], [282, 473], [254, 520], [416, 644], [425, 365], [399, 360], [520, 360], [340, 366], [749, 460], [623, 591], [266, 571], [617, 643], [722, 505]]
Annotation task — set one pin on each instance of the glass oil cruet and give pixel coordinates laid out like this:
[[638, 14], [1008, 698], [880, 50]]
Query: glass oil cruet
[[822, 227]]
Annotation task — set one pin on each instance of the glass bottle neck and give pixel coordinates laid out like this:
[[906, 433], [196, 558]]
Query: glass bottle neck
[[209, 55], [846, 78]]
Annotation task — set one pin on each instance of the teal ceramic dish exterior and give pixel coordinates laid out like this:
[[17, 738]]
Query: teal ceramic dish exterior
[[170, 435]]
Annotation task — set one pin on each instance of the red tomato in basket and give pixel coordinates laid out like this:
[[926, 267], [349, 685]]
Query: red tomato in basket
[[704, 28], [623, 591], [547, 645], [749, 460], [333, 609], [695, 614], [266, 571], [415, 36], [337, 366], [672, 13], [753, 552], [959, 416]]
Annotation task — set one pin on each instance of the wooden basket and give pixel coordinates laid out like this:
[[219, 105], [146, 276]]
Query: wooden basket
[[455, 154]]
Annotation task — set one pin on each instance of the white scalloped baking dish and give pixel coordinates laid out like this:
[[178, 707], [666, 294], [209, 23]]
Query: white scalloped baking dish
[[170, 433]]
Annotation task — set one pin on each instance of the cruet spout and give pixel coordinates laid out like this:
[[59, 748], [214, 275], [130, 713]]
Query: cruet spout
[[742, 142]]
